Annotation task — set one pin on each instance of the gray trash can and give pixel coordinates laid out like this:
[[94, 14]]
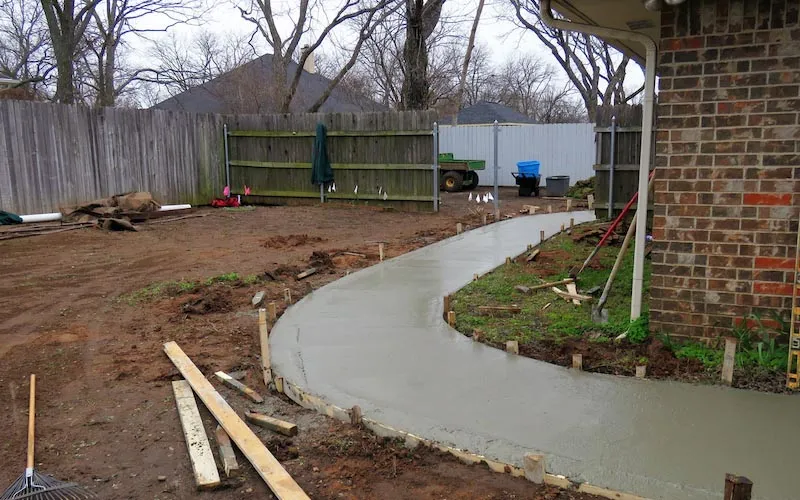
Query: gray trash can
[[557, 185]]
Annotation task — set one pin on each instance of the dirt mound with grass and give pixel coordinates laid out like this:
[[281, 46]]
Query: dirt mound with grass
[[292, 241]]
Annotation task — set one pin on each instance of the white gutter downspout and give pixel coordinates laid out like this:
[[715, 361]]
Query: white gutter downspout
[[647, 132]]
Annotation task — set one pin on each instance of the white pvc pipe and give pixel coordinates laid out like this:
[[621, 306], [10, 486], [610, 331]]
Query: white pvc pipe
[[647, 132], [56, 216], [52, 217], [168, 208]]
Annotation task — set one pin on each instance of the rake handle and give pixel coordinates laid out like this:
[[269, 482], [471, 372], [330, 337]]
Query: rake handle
[[31, 420]]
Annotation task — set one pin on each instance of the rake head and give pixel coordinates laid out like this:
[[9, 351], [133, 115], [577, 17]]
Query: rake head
[[35, 486]]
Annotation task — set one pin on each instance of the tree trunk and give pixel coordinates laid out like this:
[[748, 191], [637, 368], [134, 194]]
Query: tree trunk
[[462, 82], [415, 54]]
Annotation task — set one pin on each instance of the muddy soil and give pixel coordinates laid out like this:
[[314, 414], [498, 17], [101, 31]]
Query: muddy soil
[[74, 314]]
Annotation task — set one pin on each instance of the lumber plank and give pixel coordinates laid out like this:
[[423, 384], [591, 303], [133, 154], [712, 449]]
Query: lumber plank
[[568, 296], [226, 451], [200, 455], [551, 284], [513, 309], [573, 290], [273, 424], [305, 274], [263, 336], [265, 464], [235, 384], [533, 255]]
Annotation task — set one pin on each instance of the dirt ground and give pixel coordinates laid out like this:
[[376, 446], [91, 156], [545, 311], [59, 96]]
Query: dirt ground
[[88, 311]]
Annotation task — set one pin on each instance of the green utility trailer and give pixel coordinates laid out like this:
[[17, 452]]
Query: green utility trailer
[[456, 175]]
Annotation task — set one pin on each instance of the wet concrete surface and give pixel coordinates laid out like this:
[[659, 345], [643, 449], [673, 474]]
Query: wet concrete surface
[[376, 338]]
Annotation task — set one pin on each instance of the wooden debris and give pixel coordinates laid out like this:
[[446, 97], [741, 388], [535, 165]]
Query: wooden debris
[[728, 360], [577, 361], [534, 468], [509, 216], [532, 256], [512, 309], [544, 307], [552, 284], [572, 289], [173, 219], [273, 424], [226, 453], [641, 371], [200, 455], [512, 346], [306, 273], [530, 209], [270, 470], [522, 289], [263, 337], [451, 318], [235, 384], [24, 234], [355, 415], [568, 296]]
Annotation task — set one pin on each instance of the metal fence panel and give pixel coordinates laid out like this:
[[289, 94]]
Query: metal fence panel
[[562, 149]]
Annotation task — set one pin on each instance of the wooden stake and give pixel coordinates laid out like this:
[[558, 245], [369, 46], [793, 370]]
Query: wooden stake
[[484, 219], [447, 307], [235, 384], [571, 222], [534, 468], [641, 371], [590, 200], [530, 247], [287, 295], [451, 318], [263, 337], [226, 453], [355, 415], [477, 335], [577, 361], [513, 309], [728, 360], [512, 346], [569, 204], [459, 228], [541, 236], [279, 384], [562, 228], [475, 277], [508, 260], [200, 455], [272, 313], [549, 209], [273, 424], [737, 488], [380, 251], [549, 285]]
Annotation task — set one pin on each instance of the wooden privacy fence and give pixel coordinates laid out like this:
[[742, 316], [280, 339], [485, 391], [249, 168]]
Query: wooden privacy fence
[[54, 155], [625, 153], [389, 156]]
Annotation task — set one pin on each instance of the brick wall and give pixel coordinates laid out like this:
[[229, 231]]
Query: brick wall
[[728, 158]]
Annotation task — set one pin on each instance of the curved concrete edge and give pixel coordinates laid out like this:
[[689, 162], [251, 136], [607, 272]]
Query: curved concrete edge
[[311, 402]]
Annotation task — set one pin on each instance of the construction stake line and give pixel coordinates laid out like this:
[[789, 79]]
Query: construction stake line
[[377, 339]]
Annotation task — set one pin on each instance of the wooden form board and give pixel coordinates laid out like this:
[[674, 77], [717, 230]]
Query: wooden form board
[[273, 424], [203, 465], [235, 384], [226, 451], [263, 338], [573, 290], [270, 470]]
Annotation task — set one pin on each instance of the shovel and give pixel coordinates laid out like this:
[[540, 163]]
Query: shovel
[[600, 315]]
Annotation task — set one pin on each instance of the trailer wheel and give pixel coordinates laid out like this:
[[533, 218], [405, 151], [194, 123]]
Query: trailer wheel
[[472, 177], [452, 181]]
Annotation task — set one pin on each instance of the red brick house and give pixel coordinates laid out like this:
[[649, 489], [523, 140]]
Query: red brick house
[[727, 190]]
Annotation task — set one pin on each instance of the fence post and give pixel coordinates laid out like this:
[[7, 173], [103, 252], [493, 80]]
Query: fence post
[[435, 166], [227, 156], [496, 131], [611, 164]]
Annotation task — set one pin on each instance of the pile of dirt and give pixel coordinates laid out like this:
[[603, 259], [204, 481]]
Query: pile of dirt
[[321, 260], [210, 300], [582, 189], [292, 241]]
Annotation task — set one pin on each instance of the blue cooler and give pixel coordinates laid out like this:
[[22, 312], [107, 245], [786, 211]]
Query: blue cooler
[[528, 168]]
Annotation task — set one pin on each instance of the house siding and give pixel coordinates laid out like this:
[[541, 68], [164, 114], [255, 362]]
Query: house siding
[[727, 191]]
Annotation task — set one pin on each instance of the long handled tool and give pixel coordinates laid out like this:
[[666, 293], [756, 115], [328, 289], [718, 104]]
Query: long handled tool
[[612, 227], [600, 315], [34, 486]]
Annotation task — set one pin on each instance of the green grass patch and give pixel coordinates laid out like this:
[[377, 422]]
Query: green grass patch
[[175, 288], [561, 319]]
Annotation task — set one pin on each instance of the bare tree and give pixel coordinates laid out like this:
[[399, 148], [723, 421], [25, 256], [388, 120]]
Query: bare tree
[[24, 43], [462, 81], [67, 24], [305, 26], [421, 20], [595, 69], [114, 23], [481, 82]]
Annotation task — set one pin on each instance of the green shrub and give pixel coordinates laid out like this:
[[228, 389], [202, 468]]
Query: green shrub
[[639, 329]]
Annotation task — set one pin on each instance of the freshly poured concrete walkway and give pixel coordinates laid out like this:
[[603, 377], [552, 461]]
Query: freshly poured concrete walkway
[[376, 338]]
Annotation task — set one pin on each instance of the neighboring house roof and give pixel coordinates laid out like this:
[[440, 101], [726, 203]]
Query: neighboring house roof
[[484, 112], [246, 88]]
